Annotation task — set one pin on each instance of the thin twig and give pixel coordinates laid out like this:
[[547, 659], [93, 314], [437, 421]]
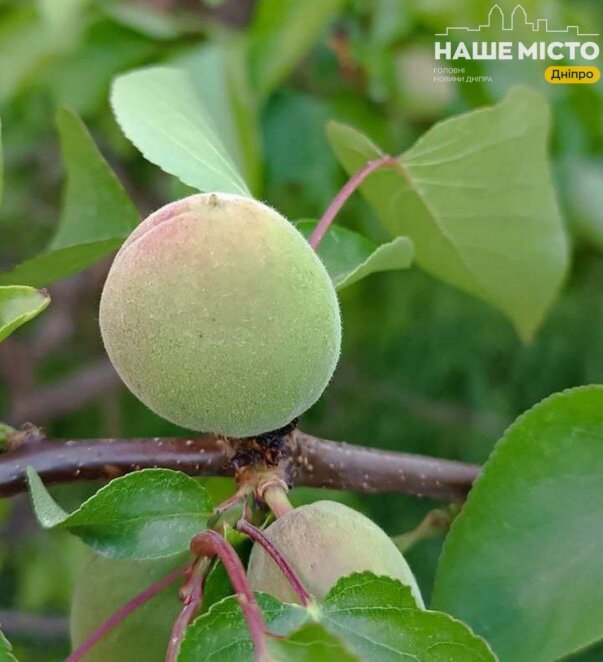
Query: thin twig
[[341, 198], [192, 595], [434, 524], [314, 463]]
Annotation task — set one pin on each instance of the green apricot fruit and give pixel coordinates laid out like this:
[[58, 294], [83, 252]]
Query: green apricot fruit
[[103, 587], [323, 542], [219, 316]]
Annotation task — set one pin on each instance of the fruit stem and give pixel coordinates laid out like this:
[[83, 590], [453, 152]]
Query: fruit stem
[[114, 620], [236, 499], [260, 538], [192, 595], [341, 198], [275, 497], [209, 544], [435, 523]]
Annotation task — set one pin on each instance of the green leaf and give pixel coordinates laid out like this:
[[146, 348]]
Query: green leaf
[[63, 22], [475, 196], [586, 197], [523, 560], [47, 510], [24, 47], [311, 643], [377, 618], [281, 35], [1, 164], [160, 113], [144, 515], [221, 634], [18, 305], [6, 650], [151, 22], [97, 213], [54, 265], [364, 589], [218, 72], [350, 257], [96, 207]]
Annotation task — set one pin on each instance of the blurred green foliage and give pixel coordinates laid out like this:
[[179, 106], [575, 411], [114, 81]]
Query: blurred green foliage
[[425, 368]]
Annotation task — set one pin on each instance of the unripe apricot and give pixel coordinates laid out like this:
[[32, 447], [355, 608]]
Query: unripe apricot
[[106, 585], [323, 542], [218, 315]]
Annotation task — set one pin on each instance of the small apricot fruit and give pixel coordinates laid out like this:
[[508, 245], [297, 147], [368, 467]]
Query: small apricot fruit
[[219, 316], [323, 542]]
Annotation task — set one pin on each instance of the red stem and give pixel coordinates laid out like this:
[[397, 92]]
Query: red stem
[[192, 595], [123, 613], [341, 198], [210, 544], [285, 567]]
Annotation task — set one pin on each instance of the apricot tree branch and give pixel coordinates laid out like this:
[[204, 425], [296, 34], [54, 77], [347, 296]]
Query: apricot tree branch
[[337, 465], [313, 462]]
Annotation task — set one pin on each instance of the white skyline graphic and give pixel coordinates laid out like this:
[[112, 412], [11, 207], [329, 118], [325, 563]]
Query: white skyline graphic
[[519, 16]]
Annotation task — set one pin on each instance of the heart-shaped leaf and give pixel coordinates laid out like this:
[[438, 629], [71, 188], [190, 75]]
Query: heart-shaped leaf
[[158, 110], [475, 196], [350, 257], [18, 305], [523, 561], [97, 213], [144, 515]]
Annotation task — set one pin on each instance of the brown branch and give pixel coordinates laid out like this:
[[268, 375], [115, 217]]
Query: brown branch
[[314, 462], [337, 465]]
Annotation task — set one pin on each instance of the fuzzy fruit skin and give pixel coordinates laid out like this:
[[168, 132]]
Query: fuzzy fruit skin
[[103, 587], [325, 541], [218, 315]]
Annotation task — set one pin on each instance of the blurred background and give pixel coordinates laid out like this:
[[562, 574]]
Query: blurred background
[[425, 369]]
